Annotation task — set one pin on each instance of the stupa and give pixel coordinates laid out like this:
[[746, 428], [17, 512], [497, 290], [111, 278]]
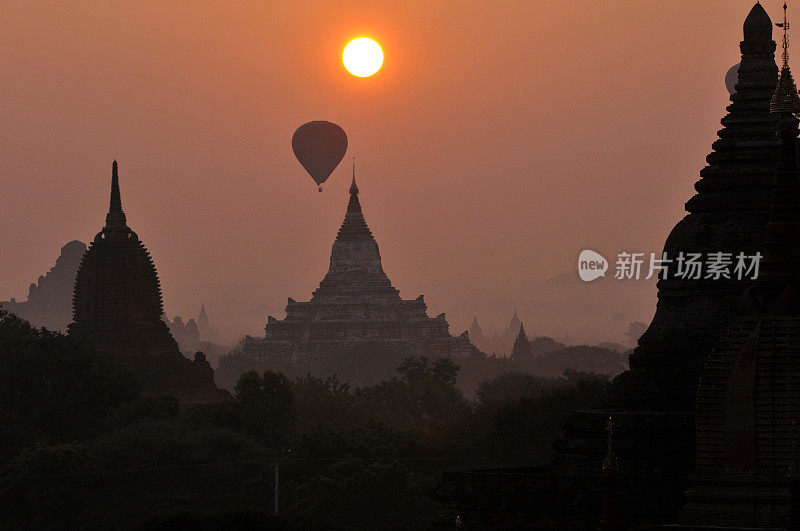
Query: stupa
[[522, 347], [748, 399], [117, 310], [355, 304], [653, 402]]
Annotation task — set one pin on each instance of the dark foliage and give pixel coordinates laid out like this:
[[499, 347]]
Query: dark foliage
[[88, 451], [50, 385]]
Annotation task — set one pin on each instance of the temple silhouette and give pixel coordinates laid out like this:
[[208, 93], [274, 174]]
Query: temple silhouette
[[117, 309], [748, 399], [49, 302], [721, 442], [501, 344], [355, 305], [653, 403]]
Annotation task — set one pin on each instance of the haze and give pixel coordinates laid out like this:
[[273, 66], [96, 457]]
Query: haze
[[497, 142]]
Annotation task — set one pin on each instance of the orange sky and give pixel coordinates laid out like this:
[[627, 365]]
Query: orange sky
[[498, 140]]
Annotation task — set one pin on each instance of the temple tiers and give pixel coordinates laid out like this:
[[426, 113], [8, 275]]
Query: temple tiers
[[748, 400], [355, 304], [117, 310], [728, 213], [653, 403]]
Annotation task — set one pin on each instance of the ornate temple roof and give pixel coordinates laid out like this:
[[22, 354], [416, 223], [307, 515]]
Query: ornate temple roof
[[117, 279], [776, 290], [355, 265], [117, 309], [747, 398], [785, 100]]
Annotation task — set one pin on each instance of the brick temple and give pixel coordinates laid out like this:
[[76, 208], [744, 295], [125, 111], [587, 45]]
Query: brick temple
[[117, 308], [653, 403], [355, 305], [748, 397]]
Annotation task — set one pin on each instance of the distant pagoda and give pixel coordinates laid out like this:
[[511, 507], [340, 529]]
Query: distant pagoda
[[748, 399], [499, 344], [49, 303], [117, 309], [522, 347], [355, 304]]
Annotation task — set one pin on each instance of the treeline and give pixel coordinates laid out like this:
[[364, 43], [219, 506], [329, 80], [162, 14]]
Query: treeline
[[364, 365], [82, 447]]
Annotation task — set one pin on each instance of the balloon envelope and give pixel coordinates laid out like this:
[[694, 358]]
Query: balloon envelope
[[731, 78], [320, 147]]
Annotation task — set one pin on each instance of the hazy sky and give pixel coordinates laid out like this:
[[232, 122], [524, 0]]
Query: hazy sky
[[498, 140]]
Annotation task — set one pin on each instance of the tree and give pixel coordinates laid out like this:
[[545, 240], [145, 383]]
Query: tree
[[268, 409], [48, 381]]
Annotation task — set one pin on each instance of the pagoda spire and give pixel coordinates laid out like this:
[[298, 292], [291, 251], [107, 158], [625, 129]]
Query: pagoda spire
[[785, 26], [521, 350], [355, 258], [115, 219], [757, 25], [353, 185], [521, 334], [785, 102], [776, 288]]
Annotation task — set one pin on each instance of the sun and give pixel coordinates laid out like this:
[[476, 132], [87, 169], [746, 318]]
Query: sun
[[362, 57]]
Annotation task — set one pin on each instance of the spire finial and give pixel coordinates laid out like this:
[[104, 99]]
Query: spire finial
[[354, 186], [785, 27], [785, 100], [115, 219], [116, 199]]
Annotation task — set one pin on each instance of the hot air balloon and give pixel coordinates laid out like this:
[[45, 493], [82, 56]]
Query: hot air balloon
[[320, 147], [731, 78]]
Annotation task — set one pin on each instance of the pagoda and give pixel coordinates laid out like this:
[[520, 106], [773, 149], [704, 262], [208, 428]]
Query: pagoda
[[117, 310], [355, 305], [748, 398], [522, 347], [653, 402]]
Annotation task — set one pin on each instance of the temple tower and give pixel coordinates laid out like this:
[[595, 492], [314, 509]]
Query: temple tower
[[522, 347], [354, 305], [748, 399], [117, 308], [653, 403]]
